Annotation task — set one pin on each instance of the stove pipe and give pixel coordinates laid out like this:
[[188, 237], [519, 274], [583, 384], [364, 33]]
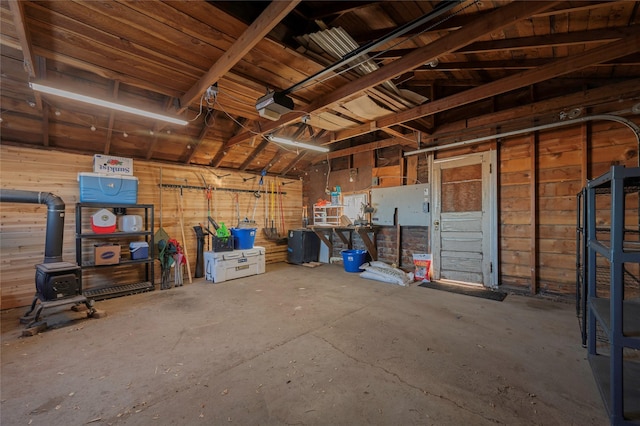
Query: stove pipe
[[55, 218]]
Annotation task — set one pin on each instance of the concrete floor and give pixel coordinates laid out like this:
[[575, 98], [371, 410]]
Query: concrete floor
[[301, 346]]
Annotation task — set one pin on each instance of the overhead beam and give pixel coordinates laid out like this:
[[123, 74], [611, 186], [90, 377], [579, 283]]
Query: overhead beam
[[156, 128], [196, 144], [610, 51], [19, 21], [112, 117], [267, 20], [332, 9], [257, 150], [583, 98], [551, 40], [293, 163], [498, 19], [459, 21], [32, 66], [513, 64], [533, 42], [365, 148]]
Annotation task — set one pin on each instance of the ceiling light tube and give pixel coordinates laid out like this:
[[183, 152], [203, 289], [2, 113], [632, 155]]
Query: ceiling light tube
[[99, 102], [285, 141]]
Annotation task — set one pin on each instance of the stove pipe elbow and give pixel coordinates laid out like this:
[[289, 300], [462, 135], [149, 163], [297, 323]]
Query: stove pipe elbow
[[55, 218]]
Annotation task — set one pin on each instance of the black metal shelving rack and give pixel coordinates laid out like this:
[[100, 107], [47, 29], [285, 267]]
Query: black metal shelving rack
[[613, 309], [83, 235]]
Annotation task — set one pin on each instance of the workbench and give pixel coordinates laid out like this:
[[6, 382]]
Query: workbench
[[368, 235]]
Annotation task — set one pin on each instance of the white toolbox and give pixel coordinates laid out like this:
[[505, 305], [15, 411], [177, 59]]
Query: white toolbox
[[227, 265]]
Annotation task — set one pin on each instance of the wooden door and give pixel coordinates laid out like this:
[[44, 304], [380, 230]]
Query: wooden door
[[463, 209]]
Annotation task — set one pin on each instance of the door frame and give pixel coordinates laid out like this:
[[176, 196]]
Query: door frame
[[489, 161]]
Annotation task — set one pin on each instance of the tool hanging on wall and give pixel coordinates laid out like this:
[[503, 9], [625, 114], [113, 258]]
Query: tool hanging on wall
[[184, 245], [246, 222], [282, 240], [207, 192], [237, 197], [281, 208], [257, 195], [270, 231], [160, 234], [266, 211]]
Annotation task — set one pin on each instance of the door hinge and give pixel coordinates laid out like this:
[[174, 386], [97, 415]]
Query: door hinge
[[491, 267], [490, 168]]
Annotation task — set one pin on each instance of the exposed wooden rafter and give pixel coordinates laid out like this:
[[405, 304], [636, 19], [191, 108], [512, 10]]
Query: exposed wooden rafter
[[496, 20], [254, 34]]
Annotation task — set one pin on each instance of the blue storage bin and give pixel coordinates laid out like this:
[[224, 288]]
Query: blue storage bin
[[243, 238], [99, 188], [352, 259]]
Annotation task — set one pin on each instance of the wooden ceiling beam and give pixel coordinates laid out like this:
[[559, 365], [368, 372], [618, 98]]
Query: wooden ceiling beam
[[44, 107], [267, 20], [217, 159], [533, 111], [271, 163], [30, 62], [385, 143], [551, 40], [156, 128], [331, 9], [513, 64], [257, 150], [534, 42], [496, 20], [196, 143], [610, 51], [458, 21], [19, 21], [112, 117], [294, 162]]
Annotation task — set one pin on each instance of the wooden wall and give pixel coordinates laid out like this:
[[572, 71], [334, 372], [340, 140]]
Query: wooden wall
[[540, 176], [22, 226]]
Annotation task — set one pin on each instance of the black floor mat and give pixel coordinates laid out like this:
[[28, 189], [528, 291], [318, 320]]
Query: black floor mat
[[469, 291]]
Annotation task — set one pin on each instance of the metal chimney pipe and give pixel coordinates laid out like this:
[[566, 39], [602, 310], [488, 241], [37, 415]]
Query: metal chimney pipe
[[55, 218]]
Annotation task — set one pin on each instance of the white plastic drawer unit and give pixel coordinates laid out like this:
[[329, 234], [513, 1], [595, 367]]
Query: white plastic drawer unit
[[228, 265]]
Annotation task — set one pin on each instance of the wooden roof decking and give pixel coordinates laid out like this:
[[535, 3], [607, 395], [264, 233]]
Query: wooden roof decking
[[493, 58]]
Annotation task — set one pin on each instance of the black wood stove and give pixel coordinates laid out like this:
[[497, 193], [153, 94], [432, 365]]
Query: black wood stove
[[57, 282]]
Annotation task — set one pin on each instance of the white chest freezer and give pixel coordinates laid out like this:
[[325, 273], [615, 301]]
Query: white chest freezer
[[227, 265]]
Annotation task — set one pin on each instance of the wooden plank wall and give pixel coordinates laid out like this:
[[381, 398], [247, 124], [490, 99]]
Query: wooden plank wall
[[22, 226], [564, 159]]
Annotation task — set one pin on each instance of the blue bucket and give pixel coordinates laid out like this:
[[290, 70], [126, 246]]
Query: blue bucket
[[243, 238], [352, 259]]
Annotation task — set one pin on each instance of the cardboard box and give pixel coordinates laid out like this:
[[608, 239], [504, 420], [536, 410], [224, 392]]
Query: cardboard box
[[100, 188], [108, 164], [107, 254]]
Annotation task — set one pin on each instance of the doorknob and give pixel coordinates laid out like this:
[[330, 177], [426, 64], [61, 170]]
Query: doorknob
[[436, 225]]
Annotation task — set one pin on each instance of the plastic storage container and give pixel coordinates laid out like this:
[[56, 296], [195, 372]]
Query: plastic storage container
[[222, 244], [352, 259], [98, 188], [225, 266], [130, 223], [139, 250], [243, 238]]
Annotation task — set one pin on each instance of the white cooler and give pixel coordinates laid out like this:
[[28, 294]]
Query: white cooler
[[228, 265]]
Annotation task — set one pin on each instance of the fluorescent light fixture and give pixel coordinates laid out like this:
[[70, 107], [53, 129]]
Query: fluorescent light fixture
[[106, 104], [285, 141]]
